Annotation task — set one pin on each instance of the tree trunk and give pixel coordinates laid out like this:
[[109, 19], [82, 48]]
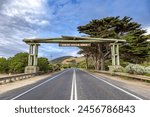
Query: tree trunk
[[96, 62], [102, 63], [86, 60], [101, 57]]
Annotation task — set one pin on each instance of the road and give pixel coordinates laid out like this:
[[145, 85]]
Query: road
[[71, 84]]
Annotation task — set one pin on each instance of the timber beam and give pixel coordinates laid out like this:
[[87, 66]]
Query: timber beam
[[72, 39]]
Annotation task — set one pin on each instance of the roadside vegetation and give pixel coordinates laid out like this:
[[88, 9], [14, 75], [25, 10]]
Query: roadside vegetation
[[17, 64]]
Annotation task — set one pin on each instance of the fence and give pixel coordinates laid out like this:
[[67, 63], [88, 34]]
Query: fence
[[133, 76], [13, 78]]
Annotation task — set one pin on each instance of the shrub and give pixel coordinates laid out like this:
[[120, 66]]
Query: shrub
[[147, 70], [119, 69], [135, 69]]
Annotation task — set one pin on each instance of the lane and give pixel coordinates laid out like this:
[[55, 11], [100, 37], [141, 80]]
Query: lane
[[58, 88], [92, 88], [13, 94]]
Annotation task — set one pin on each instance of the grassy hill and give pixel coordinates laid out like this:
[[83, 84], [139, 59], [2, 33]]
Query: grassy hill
[[60, 59], [73, 60], [68, 60]]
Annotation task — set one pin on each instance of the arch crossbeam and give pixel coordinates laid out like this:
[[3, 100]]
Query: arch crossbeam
[[71, 41]]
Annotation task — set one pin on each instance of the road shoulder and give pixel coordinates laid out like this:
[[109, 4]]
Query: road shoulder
[[139, 87], [18, 84]]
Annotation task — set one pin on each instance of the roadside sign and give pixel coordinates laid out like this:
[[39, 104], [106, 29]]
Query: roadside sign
[[75, 44]]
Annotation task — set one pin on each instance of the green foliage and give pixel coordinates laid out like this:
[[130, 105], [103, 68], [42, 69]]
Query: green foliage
[[43, 64], [55, 67], [51, 67], [18, 63], [135, 69], [147, 70], [123, 63], [65, 66], [107, 64], [136, 50], [119, 69], [148, 36], [4, 65], [81, 64], [146, 63]]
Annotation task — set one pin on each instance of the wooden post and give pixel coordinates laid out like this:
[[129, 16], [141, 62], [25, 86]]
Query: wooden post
[[35, 54], [117, 54], [113, 54], [115, 57], [33, 59], [30, 59]]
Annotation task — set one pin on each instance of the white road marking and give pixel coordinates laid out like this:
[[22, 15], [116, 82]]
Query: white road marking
[[74, 87], [117, 87], [37, 86]]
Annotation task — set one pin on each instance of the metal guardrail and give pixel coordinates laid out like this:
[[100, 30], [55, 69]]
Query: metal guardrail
[[13, 78], [133, 76]]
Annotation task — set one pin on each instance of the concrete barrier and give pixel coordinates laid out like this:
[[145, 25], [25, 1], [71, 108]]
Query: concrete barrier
[[13, 78]]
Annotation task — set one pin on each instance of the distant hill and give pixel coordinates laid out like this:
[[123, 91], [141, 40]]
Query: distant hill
[[73, 60], [60, 59], [68, 60]]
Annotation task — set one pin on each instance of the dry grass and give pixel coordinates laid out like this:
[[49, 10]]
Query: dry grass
[[78, 59]]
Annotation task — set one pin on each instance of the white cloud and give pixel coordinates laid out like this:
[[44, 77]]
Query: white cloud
[[147, 30], [23, 7], [75, 53], [20, 19], [32, 11]]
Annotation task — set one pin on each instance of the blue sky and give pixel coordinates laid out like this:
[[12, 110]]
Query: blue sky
[[52, 18]]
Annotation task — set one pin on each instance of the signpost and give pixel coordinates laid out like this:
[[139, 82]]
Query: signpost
[[75, 44]]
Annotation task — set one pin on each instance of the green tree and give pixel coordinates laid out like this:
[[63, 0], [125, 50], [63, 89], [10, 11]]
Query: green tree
[[136, 50], [4, 65], [18, 63], [114, 27], [147, 36], [43, 64]]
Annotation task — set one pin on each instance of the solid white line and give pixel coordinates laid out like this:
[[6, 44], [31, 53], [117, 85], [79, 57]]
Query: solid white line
[[117, 87], [37, 86], [75, 88], [72, 88], [73, 95]]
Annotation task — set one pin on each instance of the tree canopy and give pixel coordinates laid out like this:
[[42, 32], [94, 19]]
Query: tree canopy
[[135, 50], [18, 63], [3, 65], [43, 64]]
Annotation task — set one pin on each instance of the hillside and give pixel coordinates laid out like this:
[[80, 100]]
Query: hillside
[[60, 59], [73, 60], [68, 60]]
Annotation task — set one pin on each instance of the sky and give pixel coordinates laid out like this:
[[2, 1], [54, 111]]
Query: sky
[[21, 19]]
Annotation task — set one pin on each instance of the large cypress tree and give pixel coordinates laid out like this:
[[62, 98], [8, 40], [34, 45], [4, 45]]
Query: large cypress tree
[[135, 50]]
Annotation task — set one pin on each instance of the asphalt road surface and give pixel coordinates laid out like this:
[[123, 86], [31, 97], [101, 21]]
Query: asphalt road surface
[[71, 84]]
